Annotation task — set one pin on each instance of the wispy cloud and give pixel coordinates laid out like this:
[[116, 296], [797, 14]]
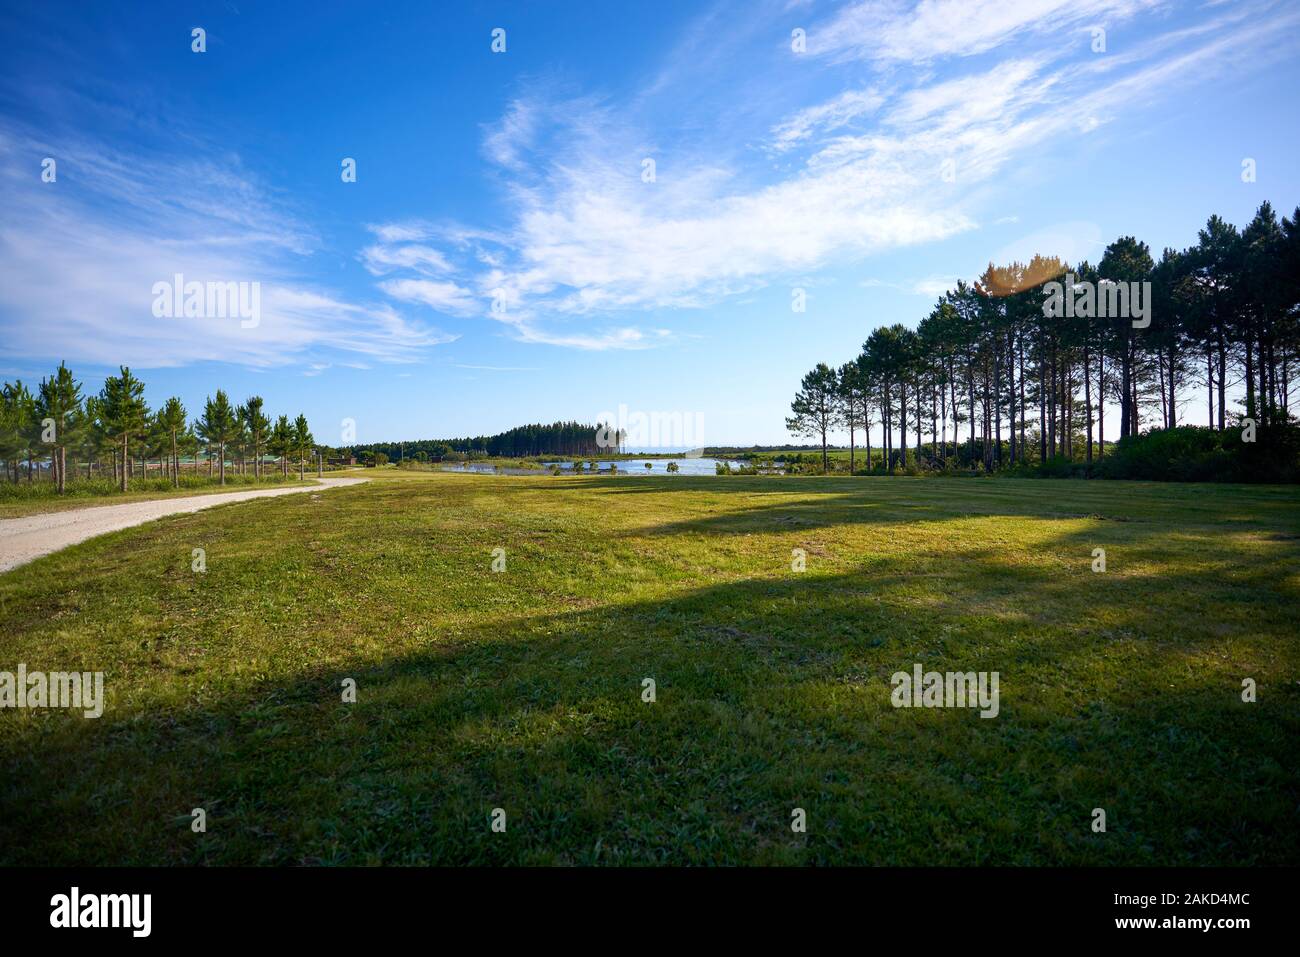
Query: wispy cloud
[[894, 31], [460, 365], [896, 130], [930, 287], [590, 239], [913, 159], [442, 296], [825, 117], [79, 258], [381, 258]]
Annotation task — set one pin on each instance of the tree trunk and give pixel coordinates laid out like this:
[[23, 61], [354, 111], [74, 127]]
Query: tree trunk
[[919, 412], [1126, 394], [956, 418], [1087, 406], [936, 397], [997, 411], [1067, 412], [970, 411], [942, 400], [1101, 403], [1042, 410], [902, 421], [1173, 388], [1223, 376], [1250, 379]]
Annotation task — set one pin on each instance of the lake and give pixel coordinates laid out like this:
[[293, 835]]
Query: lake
[[686, 466]]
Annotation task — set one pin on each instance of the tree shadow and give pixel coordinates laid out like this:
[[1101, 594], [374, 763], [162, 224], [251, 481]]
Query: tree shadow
[[771, 694], [843, 500]]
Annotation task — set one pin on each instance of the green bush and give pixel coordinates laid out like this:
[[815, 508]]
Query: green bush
[[1058, 466], [1200, 454]]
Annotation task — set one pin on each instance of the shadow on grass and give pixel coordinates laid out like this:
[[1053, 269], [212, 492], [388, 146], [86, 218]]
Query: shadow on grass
[[771, 695], [822, 502]]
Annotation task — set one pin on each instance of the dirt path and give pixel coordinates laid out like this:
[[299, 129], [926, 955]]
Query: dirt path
[[25, 539]]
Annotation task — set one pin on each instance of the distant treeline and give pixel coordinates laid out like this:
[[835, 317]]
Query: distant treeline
[[558, 438], [731, 451]]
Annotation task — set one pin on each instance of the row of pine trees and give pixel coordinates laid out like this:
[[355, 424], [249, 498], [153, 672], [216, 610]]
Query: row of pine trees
[[987, 361], [60, 429]]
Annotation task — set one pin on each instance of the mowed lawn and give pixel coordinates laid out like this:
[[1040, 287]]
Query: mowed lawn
[[522, 689]]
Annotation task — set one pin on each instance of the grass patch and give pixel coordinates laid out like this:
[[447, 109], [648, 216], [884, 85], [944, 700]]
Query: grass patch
[[522, 689]]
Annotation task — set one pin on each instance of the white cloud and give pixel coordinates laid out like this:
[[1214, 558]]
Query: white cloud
[[1072, 242], [597, 342], [460, 365], [380, 258], [506, 143], [401, 232], [443, 296], [586, 240], [889, 31], [79, 259], [825, 117], [1009, 87], [931, 287]]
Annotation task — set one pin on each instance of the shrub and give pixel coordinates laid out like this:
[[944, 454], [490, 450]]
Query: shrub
[[1058, 466], [1200, 454]]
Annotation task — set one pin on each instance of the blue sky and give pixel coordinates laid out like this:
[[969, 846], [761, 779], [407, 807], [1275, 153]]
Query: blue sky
[[501, 259]]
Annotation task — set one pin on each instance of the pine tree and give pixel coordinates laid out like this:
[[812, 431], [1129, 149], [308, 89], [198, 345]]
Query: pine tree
[[217, 427], [815, 407], [124, 413]]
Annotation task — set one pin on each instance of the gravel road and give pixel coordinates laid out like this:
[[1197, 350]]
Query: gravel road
[[25, 539]]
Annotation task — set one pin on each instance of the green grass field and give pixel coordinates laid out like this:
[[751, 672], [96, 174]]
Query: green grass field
[[523, 689]]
